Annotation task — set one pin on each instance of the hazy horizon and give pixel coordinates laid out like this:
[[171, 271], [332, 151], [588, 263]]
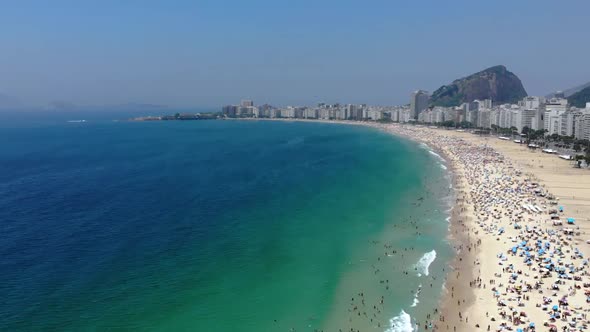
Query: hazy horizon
[[209, 53]]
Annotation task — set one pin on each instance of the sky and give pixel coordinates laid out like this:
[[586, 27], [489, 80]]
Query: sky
[[282, 52]]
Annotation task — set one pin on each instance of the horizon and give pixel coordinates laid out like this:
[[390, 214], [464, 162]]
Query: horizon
[[207, 54]]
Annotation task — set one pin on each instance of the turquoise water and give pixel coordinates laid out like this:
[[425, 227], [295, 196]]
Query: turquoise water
[[216, 226]]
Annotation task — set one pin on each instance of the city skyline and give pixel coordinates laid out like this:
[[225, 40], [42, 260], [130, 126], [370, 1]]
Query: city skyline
[[207, 54]]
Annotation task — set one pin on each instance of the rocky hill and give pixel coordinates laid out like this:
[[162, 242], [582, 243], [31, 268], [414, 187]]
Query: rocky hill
[[580, 98], [496, 83]]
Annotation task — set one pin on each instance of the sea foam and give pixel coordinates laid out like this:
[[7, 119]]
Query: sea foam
[[424, 263], [416, 301], [401, 323], [437, 156]]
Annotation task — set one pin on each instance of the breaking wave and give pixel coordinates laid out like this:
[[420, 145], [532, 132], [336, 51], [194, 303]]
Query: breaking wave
[[437, 156], [401, 323], [416, 301], [424, 263]]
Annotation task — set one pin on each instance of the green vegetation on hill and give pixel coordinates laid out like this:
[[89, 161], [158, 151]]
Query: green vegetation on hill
[[580, 98]]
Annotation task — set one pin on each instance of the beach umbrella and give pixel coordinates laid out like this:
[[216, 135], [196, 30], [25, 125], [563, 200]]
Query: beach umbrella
[[571, 221], [532, 325], [555, 308]]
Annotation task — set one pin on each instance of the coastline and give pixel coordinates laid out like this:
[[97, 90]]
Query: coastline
[[480, 214], [493, 180], [457, 233]]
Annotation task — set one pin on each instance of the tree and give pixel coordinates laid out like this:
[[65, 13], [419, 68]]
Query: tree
[[448, 123], [465, 124], [526, 130], [577, 147]]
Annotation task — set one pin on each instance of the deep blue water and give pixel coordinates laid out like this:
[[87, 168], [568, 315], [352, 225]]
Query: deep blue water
[[191, 225]]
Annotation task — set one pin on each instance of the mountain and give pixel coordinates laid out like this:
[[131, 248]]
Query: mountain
[[495, 83], [580, 98], [569, 92]]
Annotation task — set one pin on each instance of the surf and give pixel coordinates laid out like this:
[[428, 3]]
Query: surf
[[424, 263], [401, 323]]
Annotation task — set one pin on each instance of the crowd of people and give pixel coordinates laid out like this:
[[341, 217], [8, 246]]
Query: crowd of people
[[528, 269]]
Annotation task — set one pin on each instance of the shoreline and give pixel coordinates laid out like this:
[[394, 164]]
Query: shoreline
[[496, 185], [492, 189], [456, 235]]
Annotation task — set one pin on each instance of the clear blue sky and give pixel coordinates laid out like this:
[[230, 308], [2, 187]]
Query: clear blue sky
[[208, 53]]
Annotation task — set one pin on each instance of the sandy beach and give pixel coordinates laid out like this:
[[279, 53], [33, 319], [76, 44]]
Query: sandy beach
[[520, 226]]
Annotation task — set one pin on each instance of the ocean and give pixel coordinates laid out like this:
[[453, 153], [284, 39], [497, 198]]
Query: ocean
[[218, 226]]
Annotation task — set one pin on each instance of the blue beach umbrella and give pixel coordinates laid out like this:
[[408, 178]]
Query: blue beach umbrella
[[518, 330], [532, 325], [571, 221], [555, 308]]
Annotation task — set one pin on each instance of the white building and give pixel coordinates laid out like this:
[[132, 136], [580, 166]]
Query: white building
[[486, 103], [566, 123], [311, 113], [374, 115], [246, 103], [557, 104], [532, 102], [484, 118], [582, 123], [288, 112]]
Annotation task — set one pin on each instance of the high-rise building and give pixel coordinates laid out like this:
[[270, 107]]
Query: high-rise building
[[230, 110], [486, 103], [418, 103], [582, 123], [554, 108], [532, 102], [247, 103]]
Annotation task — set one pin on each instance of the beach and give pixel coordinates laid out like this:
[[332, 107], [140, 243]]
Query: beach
[[520, 228]]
